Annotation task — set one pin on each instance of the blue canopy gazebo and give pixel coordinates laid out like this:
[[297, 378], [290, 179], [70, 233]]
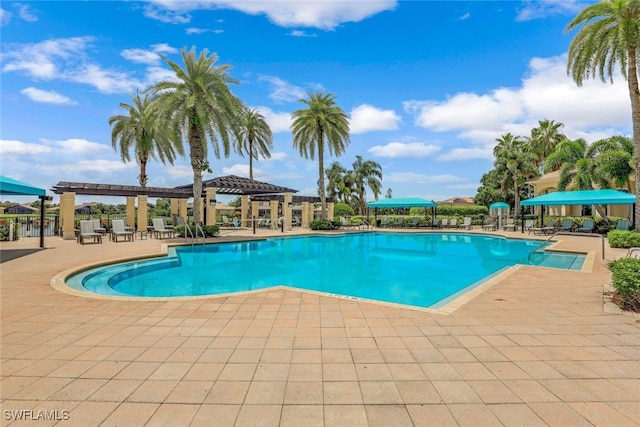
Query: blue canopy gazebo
[[498, 210], [10, 186], [583, 197], [403, 202]]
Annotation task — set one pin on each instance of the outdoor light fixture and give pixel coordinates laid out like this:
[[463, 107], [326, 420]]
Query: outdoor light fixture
[[212, 202]]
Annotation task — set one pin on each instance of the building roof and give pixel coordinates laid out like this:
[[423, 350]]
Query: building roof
[[237, 185], [458, 200]]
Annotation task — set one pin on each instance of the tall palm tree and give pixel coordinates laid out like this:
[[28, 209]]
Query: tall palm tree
[[138, 130], [255, 137], [322, 125], [199, 107], [544, 139], [615, 158], [578, 166], [610, 34], [515, 163], [367, 174], [341, 183]]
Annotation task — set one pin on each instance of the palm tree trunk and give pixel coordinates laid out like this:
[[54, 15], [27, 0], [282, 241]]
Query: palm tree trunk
[[196, 149], [143, 173], [634, 93], [250, 158], [321, 189]]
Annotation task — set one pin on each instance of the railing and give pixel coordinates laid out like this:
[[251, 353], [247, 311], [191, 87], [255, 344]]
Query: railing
[[566, 233]]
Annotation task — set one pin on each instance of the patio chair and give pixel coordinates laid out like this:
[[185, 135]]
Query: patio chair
[[386, 222], [97, 227], [87, 232], [436, 223], [528, 225], [453, 223], [623, 225], [159, 229], [587, 226], [226, 222], [567, 225], [489, 224], [118, 229], [414, 223], [510, 225], [444, 223], [466, 223], [346, 224], [399, 223]]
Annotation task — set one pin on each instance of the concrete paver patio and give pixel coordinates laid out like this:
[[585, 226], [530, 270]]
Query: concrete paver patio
[[536, 348]]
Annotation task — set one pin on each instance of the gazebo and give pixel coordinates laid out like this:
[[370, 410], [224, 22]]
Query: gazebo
[[499, 210], [18, 188]]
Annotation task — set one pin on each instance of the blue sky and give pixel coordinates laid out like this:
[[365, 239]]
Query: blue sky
[[428, 86]]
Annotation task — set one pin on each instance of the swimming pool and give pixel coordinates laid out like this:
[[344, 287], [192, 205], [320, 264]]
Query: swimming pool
[[412, 269]]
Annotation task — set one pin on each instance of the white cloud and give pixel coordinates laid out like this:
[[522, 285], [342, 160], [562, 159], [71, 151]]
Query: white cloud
[[45, 60], [278, 121], [158, 74], [546, 93], [467, 154], [163, 48], [106, 81], [179, 171], [25, 13], [81, 146], [367, 118], [141, 56], [277, 155], [98, 166], [541, 9], [300, 33], [282, 91], [47, 96], [239, 170], [402, 149], [326, 15], [195, 30], [8, 146], [5, 17]]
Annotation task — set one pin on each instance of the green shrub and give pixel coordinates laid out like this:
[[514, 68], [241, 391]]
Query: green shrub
[[462, 211], [4, 233], [623, 239], [626, 280], [323, 224], [342, 209]]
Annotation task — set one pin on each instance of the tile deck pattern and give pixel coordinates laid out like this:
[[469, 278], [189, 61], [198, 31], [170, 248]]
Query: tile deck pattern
[[535, 349]]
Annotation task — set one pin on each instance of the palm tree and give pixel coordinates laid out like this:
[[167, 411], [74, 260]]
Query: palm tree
[[321, 124], [255, 138], [578, 166], [615, 158], [544, 139], [199, 106], [514, 163], [367, 174], [139, 130], [609, 35], [341, 183]]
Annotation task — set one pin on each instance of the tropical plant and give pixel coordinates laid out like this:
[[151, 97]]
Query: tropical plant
[[615, 158], [367, 173], [544, 139], [515, 164], [255, 137], [140, 131], [578, 166], [609, 34], [321, 125], [199, 106], [341, 183]]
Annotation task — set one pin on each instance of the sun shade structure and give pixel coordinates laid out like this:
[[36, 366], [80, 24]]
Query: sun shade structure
[[18, 188], [406, 202], [499, 205], [582, 197], [237, 185]]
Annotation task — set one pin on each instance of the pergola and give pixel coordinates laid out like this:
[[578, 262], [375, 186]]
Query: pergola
[[228, 185]]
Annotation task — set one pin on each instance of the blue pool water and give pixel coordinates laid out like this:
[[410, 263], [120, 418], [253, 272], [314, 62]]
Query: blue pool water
[[413, 269]]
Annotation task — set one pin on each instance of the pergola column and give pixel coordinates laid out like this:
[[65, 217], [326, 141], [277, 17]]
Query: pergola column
[[244, 210], [182, 209], [274, 212], [131, 211], [306, 208], [330, 211], [287, 209], [67, 215], [143, 213], [175, 206], [255, 209], [210, 196]]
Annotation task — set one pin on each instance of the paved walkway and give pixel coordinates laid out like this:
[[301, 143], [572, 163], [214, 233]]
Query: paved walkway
[[535, 349]]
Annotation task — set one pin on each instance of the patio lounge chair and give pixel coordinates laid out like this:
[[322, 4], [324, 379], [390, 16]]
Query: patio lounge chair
[[346, 224], [528, 225], [623, 225], [510, 225], [453, 223], [87, 232], [467, 223], [444, 223], [489, 224], [587, 226], [549, 228], [567, 225], [118, 229], [399, 223], [159, 230], [386, 222], [97, 227]]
